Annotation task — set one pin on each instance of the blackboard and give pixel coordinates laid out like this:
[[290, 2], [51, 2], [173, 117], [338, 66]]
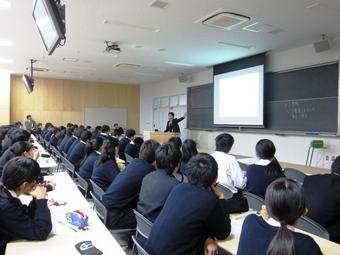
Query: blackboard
[[299, 101]]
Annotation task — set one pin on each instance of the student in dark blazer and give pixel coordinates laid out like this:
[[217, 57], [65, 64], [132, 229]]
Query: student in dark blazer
[[269, 234], [133, 148], [105, 168], [77, 134], [78, 152], [122, 195], [262, 173], [18, 221], [189, 149], [323, 200], [54, 138], [201, 215], [105, 131], [86, 168], [15, 135], [68, 135], [172, 124], [129, 136], [157, 185]]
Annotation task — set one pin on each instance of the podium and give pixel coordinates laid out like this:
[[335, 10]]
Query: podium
[[162, 137]]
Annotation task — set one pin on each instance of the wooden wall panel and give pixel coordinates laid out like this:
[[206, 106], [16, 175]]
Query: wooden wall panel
[[63, 101]]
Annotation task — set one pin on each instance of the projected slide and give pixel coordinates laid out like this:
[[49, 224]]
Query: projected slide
[[238, 97]]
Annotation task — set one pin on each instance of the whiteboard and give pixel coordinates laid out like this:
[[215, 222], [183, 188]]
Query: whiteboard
[[105, 115]]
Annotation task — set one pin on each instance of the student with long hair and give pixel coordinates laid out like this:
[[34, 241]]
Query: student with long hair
[[189, 149], [284, 204], [18, 221], [266, 170], [106, 169]]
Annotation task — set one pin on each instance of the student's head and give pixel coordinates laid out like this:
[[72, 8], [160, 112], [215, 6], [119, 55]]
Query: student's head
[[285, 203], [88, 128], [138, 141], [48, 125], [168, 157], [86, 136], [189, 149], [39, 125], [19, 148], [118, 131], [115, 125], [68, 125], [77, 132], [171, 115], [18, 124], [177, 141], [265, 149], [69, 131], [130, 133], [335, 168], [202, 170], [20, 135], [105, 129], [97, 129], [97, 143], [29, 117], [224, 142], [147, 151], [109, 150], [20, 174]]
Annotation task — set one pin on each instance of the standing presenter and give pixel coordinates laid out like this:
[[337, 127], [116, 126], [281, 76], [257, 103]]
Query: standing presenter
[[172, 124]]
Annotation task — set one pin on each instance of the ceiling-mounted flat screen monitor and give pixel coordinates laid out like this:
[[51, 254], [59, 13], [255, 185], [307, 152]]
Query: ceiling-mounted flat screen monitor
[[29, 83], [49, 18]]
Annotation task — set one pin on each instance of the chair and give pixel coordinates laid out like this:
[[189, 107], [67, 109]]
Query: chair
[[295, 175], [227, 192], [254, 202], [144, 225], [82, 185], [128, 158], [97, 191], [99, 208], [69, 166], [310, 226], [139, 246]]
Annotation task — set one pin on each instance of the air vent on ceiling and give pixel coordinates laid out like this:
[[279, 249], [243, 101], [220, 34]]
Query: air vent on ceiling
[[258, 27], [159, 4], [225, 20], [38, 69], [235, 45], [127, 66]]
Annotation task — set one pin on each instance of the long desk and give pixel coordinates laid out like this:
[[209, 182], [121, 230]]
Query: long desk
[[62, 239], [231, 243]]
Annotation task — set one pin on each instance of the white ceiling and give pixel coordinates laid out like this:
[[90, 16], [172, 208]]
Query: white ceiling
[[185, 40]]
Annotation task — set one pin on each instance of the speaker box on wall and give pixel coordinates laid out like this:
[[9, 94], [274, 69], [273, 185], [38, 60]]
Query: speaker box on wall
[[323, 45]]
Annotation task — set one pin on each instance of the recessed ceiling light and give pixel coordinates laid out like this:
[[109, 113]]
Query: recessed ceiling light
[[70, 59], [123, 24], [178, 63], [5, 43], [6, 60], [235, 45], [5, 4]]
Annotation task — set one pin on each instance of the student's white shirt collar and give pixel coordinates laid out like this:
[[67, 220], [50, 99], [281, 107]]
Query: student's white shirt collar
[[277, 224], [13, 194], [75, 136], [82, 141], [98, 152], [263, 162], [103, 134]]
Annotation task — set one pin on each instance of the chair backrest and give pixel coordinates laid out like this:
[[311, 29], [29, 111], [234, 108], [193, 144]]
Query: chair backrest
[[295, 175], [128, 158], [243, 166], [140, 249], [310, 226], [82, 184], [97, 191], [143, 224], [69, 166], [255, 202], [227, 192], [99, 208]]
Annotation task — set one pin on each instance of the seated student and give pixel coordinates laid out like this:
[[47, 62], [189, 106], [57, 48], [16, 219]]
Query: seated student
[[78, 152], [122, 195], [229, 171], [71, 140], [201, 215], [76, 134], [133, 148], [118, 133], [105, 168], [18, 221], [189, 149], [262, 173], [96, 132], [67, 137], [177, 141], [54, 138], [38, 129], [47, 135], [105, 131], [323, 201], [86, 168], [129, 136], [15, 135], [157, 185], [285, 204]]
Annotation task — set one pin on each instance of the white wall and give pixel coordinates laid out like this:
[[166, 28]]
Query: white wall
[[5, 81], [289, 148]]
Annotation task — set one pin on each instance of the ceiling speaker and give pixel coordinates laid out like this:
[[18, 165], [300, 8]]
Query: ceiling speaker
[[322, 45], [183, 78]]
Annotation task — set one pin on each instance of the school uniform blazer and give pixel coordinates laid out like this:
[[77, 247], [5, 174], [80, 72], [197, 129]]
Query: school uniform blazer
[[86, 168], [6, 156], [63, 142], [18, 221], [173, 127], [77, 153], [53, 141], [104, 173], [122, 144], [69, 143], [131, 149], [323, 202], [155, 189], [74, 144], [124, 190]]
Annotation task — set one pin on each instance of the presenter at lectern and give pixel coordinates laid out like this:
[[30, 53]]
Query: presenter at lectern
[[172, 124]]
